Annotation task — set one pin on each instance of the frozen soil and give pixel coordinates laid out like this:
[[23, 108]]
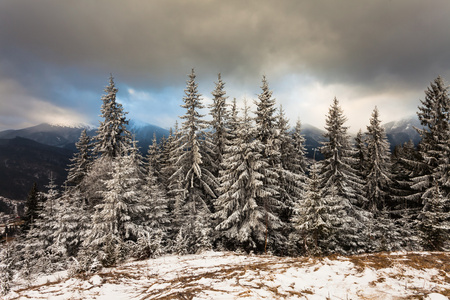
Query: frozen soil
[[227, 275]]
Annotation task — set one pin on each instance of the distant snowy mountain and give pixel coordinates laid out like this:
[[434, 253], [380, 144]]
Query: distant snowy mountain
[[313, 140], [66, 135], [52, 135], [143, 133], [401, 131]]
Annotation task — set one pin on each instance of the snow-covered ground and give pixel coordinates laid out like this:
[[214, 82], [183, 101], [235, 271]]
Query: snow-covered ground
[[225, 275]]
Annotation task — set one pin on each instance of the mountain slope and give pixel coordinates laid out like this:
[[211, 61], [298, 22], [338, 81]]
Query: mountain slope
[[23, 162], [143, 133], [226, 275], [401, 131], [313, 140], [52, 135], [66, 136]]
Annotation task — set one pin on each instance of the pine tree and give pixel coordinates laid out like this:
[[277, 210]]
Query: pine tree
[[327, 223], [360, 155], [299, 148], [80, 162], [242, 212], [435, 221], [405, 205], [311, 216], [198, 183], [434, 116], [51, 195], [174, 182], [113, 138], [153, 157], [220, 116], [268, 136], [378, 165], [166, 165], [118, 218], [72, 223], [156, 220], [291, 176], [337, 171], [32, 207]]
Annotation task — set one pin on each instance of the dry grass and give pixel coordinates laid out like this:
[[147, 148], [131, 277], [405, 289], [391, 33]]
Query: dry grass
[[253, 275]]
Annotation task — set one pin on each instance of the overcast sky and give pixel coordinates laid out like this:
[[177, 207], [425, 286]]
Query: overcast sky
[[56, 56]]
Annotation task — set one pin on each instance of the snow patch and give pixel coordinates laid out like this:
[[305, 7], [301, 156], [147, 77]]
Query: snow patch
[[225, 275]]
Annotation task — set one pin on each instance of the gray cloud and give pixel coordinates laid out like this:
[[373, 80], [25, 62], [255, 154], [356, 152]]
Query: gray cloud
[[55, 48]]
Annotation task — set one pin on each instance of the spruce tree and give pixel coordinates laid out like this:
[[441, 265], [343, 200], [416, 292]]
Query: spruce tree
[[242, 212], [165, 159], [197, 182], [435, 221], [80, 162], [311, 218], [360, 155], [220, 116], [153, 157], [73, 223], [113, 138], [291, 176], [32, 207], [156, 220], [337, 173], [268, 136], [299, 148], [434, 116], [118, 218], [378, 165]]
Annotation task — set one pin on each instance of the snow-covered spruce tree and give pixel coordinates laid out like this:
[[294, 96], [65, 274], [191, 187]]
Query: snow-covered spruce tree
[[6, 276], [220, 116], [268, 136], [156, 220], [72, 223], [337, 173], [378, 165], [242, 213], [405, 205], [233, 123], [80, 162], [385, 233], [198, 183], [118, 217], [151, 242], [39, 239], [360, 156], [291, 175], [165, 159], [299, 148], [435, 221], [51, 196], [153, 157], [32, 207], [434, 116], [311, 217], [326, 223], [174, 184], [113, 138]]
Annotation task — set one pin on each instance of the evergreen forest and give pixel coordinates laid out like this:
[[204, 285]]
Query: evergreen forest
[[239, 181]]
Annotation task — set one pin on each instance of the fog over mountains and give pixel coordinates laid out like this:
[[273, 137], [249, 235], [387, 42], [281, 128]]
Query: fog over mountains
[[31, 154]]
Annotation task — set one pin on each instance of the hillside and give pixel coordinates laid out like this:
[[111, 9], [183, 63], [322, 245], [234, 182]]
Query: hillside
[[23, 162], [225, 275]]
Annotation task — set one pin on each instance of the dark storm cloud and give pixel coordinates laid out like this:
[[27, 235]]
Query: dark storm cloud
[[51, 47]]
